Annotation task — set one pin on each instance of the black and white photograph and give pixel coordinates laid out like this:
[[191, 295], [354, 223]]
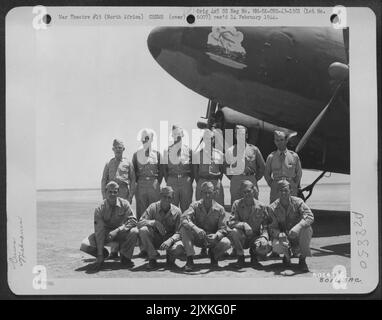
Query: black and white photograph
[[212, 152]]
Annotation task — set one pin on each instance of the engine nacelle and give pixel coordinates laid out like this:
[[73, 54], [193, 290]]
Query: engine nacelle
[[232, 117]]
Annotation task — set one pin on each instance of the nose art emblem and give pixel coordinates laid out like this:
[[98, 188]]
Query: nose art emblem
[[224, 46]]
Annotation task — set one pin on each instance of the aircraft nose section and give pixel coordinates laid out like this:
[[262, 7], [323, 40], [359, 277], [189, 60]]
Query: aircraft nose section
[[161, 38]]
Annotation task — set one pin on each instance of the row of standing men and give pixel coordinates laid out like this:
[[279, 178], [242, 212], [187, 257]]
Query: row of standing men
[[281, 166], [143, 175]]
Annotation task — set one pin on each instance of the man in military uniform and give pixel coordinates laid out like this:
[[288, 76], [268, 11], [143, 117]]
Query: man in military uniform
[[178, 170], [120, 170], [245, 162], [282, 164], [290, 228], [113, 221], [210, 167], [148, 172], [158, 228], [249, 224], [202, 224]]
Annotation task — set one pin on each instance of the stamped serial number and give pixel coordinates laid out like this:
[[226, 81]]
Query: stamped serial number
[[362, 243]]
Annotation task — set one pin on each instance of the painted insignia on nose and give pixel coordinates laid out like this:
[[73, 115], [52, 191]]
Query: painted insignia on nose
[[224, 46]]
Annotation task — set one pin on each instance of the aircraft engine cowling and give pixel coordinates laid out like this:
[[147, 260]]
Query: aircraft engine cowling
[[338, 71], [260, 133], [233, 117]]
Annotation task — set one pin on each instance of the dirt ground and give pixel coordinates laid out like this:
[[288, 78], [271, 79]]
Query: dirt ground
[[61, 228]]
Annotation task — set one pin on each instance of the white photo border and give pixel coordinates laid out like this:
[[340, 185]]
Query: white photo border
[[21, 215]]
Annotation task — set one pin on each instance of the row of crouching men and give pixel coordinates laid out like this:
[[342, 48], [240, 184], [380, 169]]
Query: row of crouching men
[[167, 219]]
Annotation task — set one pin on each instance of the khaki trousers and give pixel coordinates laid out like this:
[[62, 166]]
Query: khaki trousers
[[125, 239], [190, 238], [302, 244], [182, 191], [151, 241], [146, 193], [240, 242]]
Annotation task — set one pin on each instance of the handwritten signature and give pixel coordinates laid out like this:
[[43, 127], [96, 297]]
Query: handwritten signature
[[18, 251]]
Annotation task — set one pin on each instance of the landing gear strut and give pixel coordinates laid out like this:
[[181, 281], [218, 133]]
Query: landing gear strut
[[309, 188]]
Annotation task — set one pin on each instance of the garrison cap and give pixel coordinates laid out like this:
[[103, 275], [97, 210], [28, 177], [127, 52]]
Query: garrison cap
[[279, 133], [147, 133], [166, 190], [112, 185], [117, 142], [240, 127], [282, 184], [177, 129], [249, 183], [246, 183], [207, 184]]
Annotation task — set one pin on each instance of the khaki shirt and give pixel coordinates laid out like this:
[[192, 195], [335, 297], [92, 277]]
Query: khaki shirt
[[212, 221], [251, 163], [255, 215], [147, 167], [108, 218], [210, 167], [297, 216], [281, 165], [170, 220], [182, 163], [122, 172]]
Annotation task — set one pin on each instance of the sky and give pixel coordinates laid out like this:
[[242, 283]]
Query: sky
[[89, 85]]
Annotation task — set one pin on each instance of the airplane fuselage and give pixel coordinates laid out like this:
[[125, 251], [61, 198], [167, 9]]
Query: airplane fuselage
[[276, 74]]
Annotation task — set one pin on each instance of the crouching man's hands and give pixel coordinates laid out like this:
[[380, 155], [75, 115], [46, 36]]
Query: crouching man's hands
[[200, 232], [293, 234], [283, 239], [112, 234], [261, 242], [248, 230], [212, 239], [166, 244], [145, 223]]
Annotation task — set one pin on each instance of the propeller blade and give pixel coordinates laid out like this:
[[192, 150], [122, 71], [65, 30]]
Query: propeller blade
[[197, 147], [345, 33], [316, 121]]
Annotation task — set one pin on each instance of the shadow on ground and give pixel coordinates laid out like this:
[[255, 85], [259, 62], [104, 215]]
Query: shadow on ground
[[279, 269], [271, 266], [341, 249]]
